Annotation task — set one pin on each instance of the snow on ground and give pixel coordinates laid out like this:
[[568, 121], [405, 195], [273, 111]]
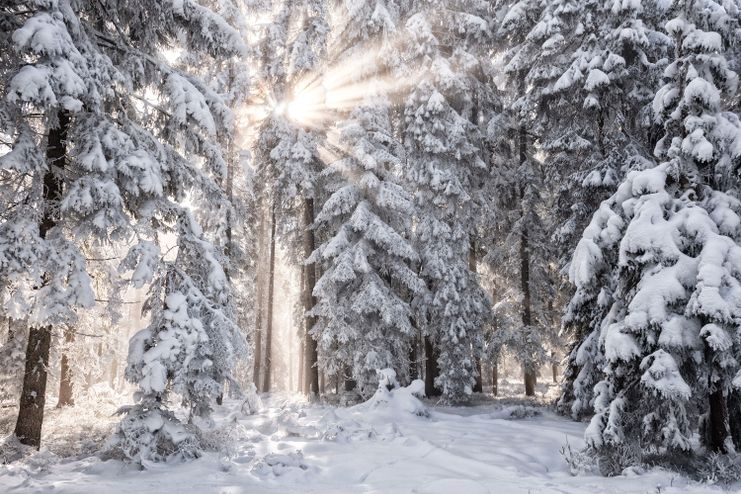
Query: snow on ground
[[492, 446]]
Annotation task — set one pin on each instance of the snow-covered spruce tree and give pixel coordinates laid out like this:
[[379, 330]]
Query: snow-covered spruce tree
[[669, 238], [362, 185], [364, 322], [445, 166], [189, 347], [233, 225], [125, 137], [598, 123], [291, 49], [518, 185]]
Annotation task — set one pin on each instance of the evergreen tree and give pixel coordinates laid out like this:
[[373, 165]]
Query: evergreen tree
[[364, 322], [127, 135], [599, 124], [669, 239], [518, 182], [444, 151]]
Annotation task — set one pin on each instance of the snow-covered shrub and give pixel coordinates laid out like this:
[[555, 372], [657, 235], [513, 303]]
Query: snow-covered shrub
[[580, 461], [251, 403], [278, 464], [716, 468], [399, 399], [152, 434]]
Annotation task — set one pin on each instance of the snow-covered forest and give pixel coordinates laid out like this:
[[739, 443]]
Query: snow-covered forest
[[430, 246]]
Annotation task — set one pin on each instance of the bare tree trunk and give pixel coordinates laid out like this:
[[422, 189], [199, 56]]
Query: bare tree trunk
[[33, 396], [495, 378], [311, 372], [530, 380], [432, 370], [718, 428], [718, 422], [260, 297], [554, 369], [271, 290], [65, 376], [300, 387], [478, 385], [525, 258]]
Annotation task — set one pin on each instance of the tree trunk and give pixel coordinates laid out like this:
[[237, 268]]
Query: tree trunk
[[300, 387], [258, 360], [529, 371], [65, 377], [271, 290], [260, 296], [718, 430], [554, 368], [33, 395], [311, 372], [478, 385], [431, 369], [495, 378], [229, 189], [734, 417]]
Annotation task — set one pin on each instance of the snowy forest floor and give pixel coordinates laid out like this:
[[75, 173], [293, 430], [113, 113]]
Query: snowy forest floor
[[494, 445]]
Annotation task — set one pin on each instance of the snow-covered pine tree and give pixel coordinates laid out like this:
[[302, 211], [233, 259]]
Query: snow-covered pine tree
[[518, 182], [445, 167], [364, 318], [669, 237], [126, 136], [598, 123], [189, 347]]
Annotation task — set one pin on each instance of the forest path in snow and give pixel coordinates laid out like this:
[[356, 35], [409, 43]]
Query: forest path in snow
[[495, 447]]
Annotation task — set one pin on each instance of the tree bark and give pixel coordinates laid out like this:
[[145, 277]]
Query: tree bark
[[260, 296], [33, 396], [718, 422], [311, 372], [495, 378], [478, 385], [525, 258], [271, 290], [432, 370], [529, 371], [66, 397], [554, 368]]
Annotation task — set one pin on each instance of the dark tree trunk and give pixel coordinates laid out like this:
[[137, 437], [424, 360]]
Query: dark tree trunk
[[65, 377], [432, 370], [718, 430], [495, 378], [33, 396], [478, 385], [734, 417], [311, 371], [271, 290], [413, 362], [529, 371], [350, 383]]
